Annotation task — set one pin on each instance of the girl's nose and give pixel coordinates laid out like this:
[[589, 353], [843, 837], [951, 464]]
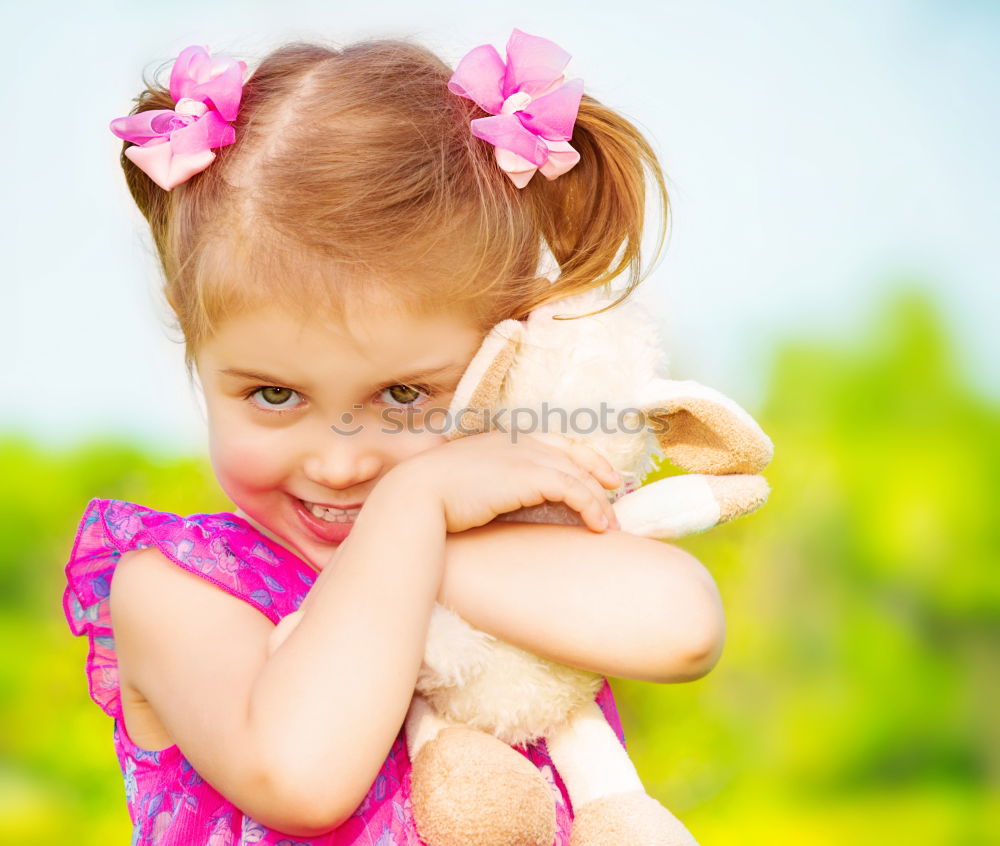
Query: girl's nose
[[343, 461]]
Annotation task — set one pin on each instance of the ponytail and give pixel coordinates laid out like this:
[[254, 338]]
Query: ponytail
[[151, 199], [592, 217]]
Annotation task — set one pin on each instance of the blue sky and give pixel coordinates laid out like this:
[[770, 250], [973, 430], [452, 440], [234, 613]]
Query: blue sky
[[815, 152]]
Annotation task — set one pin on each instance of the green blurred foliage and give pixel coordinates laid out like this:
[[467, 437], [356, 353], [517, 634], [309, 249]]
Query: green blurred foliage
[[857, 697]]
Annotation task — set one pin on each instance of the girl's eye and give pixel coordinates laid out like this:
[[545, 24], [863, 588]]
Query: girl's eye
[[406, 394], [275, 398]]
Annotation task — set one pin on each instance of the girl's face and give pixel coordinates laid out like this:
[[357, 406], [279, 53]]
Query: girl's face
[[308, 414]]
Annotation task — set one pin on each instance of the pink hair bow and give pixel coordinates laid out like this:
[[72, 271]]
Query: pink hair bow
[[174, 144], [532, 110]]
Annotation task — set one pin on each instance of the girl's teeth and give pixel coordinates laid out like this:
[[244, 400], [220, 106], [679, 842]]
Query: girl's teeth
[[332, 515]]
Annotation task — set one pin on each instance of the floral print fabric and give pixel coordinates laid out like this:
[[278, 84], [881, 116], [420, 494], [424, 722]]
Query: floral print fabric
[[168, 802]]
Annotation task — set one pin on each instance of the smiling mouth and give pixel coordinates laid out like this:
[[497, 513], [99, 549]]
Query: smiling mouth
[[331, 515]]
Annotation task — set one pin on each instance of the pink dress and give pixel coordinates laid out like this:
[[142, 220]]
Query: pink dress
[[168, 802]]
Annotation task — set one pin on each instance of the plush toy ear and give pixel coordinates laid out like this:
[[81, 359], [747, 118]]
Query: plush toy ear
[[479, 388], [701, 431]]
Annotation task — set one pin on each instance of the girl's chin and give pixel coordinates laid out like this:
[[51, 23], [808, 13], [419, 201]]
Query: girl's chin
[[311, 539], [270, 534]]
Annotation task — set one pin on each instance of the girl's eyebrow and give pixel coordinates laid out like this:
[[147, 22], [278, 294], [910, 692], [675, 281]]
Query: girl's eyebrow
[[443, 372]]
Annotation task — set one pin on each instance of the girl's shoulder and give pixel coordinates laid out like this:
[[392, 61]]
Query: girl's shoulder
[[222, 549]]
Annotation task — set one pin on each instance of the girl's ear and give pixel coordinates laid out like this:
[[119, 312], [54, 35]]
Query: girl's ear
[[479, 388], [701, 431]]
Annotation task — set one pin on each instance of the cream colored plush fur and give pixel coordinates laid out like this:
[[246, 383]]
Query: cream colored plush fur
[[470, 678]]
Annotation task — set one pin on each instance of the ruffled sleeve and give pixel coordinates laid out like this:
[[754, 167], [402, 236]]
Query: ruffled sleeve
[[85, 603], [221, 548]]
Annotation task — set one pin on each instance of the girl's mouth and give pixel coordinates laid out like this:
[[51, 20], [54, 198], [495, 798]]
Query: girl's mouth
[[330, 525], [332, 514]]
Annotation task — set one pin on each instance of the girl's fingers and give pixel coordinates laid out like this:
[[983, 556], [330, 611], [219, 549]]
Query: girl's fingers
[[566, 468], [560, 486], [585, 456], [583, 463], [596, 491]]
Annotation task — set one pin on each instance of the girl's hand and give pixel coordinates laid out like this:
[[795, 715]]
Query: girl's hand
[[480, 476]]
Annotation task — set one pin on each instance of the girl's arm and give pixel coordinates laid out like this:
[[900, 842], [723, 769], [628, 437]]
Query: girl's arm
[[294, 739], [615, 603]]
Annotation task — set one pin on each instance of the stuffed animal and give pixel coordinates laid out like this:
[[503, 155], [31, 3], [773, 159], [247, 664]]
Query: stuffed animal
[[600, 377], [477, 696]]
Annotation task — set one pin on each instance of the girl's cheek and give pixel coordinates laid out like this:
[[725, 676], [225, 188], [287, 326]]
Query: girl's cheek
[[250, 460], [420, 441]]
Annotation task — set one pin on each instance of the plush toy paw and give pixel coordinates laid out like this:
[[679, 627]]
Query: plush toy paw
[[628, 819], [470, 789]]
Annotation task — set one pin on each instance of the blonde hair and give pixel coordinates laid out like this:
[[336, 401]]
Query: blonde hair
[[354, 178]]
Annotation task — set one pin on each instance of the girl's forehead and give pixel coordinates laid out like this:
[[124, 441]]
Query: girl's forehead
[[321, 358], [387, 336]]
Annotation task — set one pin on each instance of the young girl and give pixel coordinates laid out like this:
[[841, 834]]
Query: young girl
[[337, 234]]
